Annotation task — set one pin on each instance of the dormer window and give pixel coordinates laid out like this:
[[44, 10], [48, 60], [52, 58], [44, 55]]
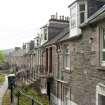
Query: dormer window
[[73, 17], [82, 12], [37, 42], [45, 34], [78, 15], [66, 57]]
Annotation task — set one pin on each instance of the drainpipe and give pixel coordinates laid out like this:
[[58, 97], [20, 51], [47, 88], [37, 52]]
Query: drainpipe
[[58, 51], [58, 65], [70, 97], [42, 52], [32, 68]]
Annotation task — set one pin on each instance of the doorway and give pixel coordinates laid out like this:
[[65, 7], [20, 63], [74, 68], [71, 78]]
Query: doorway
[[100, 94], [101, 99]]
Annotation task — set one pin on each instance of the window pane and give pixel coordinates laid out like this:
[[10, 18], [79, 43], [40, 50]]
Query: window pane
[[68, 61], [66, 96], [101, 99], [82, 7], [66, 57], [82, 17], [103, 56], [73, 23], [45, 34], [103, 38], [73, 17], [72, 10], [66, 50]]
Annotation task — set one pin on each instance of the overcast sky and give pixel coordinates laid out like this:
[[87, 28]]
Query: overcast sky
[[20, 20]]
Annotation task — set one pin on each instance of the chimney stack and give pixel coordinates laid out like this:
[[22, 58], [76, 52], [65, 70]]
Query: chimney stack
[[52, 16], [67, 18], [56, 15], [60, 18]]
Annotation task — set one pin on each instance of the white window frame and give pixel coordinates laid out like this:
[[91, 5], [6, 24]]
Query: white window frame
[[85, 12], [46, 33], [73, 16], [102, 31], [66, 95], [100, 89], [66, 58], [43, 35]]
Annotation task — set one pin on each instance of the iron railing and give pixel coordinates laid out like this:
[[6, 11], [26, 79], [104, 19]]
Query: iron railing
[[29, 100]]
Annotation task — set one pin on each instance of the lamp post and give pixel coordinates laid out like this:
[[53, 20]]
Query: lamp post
[[18, 96], [11, 93], [11, 84]]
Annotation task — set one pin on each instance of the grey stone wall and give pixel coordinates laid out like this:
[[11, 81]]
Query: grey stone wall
[[86, 71], [85, 59]]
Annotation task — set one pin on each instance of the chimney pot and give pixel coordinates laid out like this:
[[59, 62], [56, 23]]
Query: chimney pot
[[62, 17], [51, 16], [67, 18], [56, 15]]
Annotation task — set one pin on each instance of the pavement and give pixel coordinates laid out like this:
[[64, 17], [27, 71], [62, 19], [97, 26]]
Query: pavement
[[3, 89]]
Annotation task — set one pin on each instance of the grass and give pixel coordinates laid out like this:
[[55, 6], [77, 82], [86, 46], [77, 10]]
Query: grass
[[33, 93], [6, 98], [37, 96], [2, 78]]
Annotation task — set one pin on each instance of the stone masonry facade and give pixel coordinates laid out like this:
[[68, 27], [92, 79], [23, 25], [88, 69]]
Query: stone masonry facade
[[70, 70]]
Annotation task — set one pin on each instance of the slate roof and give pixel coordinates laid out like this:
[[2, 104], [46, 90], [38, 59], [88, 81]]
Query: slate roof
[[58, 37], [99, 15], [64, 35]]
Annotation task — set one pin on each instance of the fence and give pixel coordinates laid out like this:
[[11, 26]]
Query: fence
[[20, 98]]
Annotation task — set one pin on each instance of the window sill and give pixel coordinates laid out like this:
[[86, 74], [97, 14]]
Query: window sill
[[101, 68], [67, 70], [61, 81]]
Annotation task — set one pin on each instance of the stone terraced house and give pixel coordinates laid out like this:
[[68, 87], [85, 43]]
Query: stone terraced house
[[68, 57]]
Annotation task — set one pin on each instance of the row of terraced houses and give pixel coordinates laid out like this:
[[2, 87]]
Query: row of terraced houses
[[67, 57]]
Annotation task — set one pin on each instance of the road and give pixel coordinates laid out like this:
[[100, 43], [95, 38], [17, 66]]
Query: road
[[3, 89]]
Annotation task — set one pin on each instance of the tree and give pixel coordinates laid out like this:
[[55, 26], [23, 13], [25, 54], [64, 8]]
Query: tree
[[2, 57]]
